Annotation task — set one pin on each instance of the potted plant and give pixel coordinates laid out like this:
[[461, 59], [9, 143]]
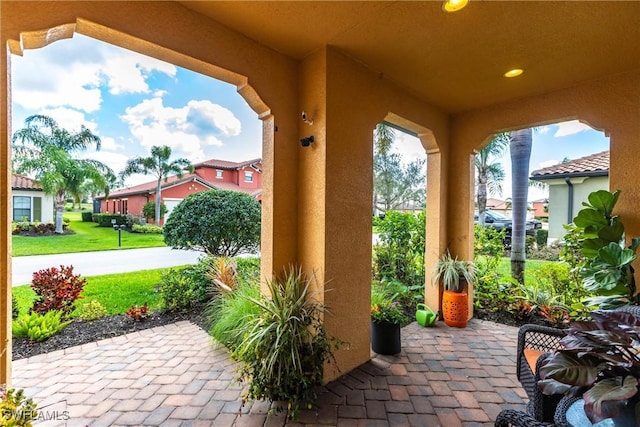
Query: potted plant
[[599, 362], [387, 317], [454, 274]]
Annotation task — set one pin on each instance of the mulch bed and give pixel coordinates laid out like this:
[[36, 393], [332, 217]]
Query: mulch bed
[[82, 332]]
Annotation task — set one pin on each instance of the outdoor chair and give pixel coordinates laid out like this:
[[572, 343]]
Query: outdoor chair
[[535, 344], [514, 418]]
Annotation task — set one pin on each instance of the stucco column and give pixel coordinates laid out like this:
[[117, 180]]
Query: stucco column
[[335, 201], [460, 203], [436, 222], [5, 225]]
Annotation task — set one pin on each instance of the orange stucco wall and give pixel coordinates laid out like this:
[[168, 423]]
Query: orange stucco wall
[[317, 200]]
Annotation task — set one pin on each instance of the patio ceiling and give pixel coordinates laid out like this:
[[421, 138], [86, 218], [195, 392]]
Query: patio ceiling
[[455, 61]]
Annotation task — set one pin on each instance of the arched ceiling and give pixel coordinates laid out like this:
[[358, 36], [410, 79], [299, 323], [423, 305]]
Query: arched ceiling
[[455, 61]]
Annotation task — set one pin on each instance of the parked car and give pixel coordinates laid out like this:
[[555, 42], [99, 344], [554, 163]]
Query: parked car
[[498, 221]]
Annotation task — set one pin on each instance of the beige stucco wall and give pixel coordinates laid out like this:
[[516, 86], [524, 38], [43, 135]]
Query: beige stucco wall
[[346, 101], [317, 200], [265, 78], [559, 200]]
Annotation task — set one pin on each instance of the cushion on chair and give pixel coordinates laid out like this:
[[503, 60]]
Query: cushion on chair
[[532, 357]]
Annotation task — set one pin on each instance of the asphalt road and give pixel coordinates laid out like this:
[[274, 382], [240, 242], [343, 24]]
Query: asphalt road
[[104, 262]]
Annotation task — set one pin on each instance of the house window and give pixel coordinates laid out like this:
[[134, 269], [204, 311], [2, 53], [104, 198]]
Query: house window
[[218, 174], [21, 208], [248, 176]]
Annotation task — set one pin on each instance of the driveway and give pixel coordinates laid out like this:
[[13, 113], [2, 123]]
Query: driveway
[[104, 262]]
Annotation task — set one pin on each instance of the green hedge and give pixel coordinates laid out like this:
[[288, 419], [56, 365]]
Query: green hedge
[[87, 217], [146, 229], [104, 219], [541, 237]]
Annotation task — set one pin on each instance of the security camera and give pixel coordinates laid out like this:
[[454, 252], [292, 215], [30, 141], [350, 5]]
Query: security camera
[[305, 142], [306, 119]]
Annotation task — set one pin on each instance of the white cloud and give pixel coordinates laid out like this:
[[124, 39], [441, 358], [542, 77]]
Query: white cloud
[[409, 147], [544, 130], [570, 128], [75, 84], [110, 144], [186, 130], [70, 119], [70, 73], [127, 71], [115, 161]]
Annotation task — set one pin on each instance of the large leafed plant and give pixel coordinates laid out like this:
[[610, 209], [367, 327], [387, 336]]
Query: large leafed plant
[[608, 272], [599, 361]]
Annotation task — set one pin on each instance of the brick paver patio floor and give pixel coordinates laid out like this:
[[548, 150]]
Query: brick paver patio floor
[[171, 375]]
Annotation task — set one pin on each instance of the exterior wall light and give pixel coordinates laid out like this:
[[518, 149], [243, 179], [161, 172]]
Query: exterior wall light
[[454, 5], [305, 142], [514, 73]]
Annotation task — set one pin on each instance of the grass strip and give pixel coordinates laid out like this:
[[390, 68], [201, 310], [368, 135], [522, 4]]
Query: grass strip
[[88, 237], [116, 292]]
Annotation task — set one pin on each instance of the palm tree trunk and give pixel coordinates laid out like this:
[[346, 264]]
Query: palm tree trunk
[[59, 212], [482, 197], [520, 149], [158, 190]]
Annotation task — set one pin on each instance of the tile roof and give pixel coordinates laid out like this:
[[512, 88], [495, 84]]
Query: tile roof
[[592, 165], [150, 187], [19, 182], [225, 164]]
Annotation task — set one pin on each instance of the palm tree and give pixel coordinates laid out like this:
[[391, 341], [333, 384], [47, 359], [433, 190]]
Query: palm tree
[[394, 183], [159, 166], [520, 148], [46, 150], [490, 173]]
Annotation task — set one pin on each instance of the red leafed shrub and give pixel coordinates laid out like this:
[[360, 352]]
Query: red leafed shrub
[[56, 289], [138, 313]]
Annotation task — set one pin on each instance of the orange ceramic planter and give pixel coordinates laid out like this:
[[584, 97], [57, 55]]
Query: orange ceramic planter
[[455, 309]]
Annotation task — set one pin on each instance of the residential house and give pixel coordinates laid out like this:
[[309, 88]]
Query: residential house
[[28, 202], [540, 208], [500, 206], [569, 185], [245, 177]]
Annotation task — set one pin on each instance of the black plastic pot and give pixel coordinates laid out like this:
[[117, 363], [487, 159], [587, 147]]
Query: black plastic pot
[[385, 337]]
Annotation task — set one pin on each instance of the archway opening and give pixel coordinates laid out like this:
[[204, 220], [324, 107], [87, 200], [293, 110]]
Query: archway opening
[[567, 161], [134, 102]]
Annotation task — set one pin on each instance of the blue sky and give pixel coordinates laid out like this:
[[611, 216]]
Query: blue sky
[[134, 102]]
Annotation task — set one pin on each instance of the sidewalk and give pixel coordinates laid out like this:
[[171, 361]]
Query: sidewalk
[[103, 262]]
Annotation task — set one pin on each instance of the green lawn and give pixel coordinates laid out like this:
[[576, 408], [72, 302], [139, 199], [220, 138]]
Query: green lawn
[[88, 237], [116, 292], [531, 264]]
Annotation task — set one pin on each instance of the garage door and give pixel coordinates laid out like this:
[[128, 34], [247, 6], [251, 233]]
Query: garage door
[[170, 204]]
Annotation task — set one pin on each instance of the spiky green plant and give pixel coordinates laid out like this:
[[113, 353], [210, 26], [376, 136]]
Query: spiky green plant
[[285, 346], [229, 313], [453, 272]]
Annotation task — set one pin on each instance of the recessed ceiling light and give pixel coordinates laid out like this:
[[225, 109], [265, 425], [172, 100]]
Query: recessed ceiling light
[[454, 5], [514, 73]]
